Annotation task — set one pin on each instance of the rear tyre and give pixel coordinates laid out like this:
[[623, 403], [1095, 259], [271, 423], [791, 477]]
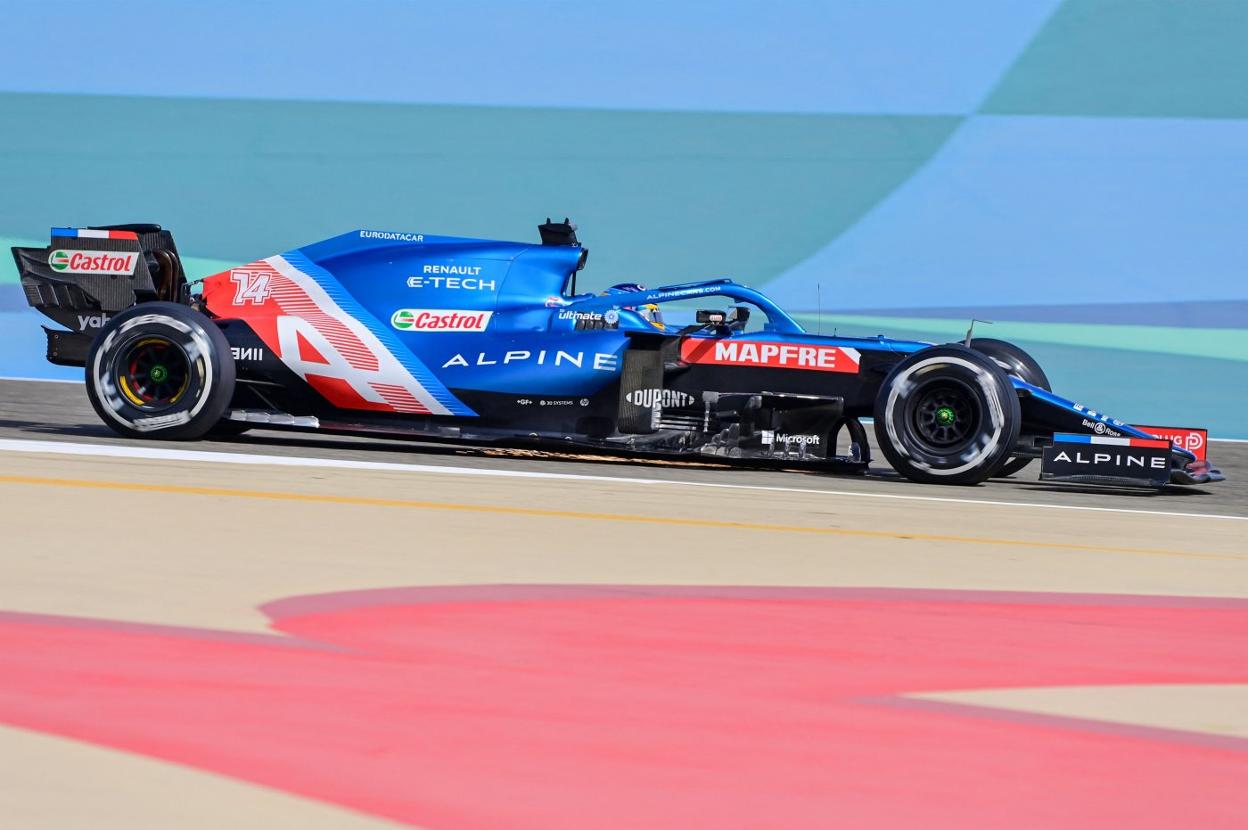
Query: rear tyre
[[1016, 362], [947, 415], [160, 370]]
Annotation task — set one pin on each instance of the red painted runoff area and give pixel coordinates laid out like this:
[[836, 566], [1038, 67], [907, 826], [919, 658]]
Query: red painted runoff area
[[604, 707]]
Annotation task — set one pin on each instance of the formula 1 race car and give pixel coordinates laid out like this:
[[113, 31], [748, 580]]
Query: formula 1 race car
[[479, 341]]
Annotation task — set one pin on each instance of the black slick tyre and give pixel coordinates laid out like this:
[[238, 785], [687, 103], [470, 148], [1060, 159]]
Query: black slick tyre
[[1016, 362], [947, 415], [160, 371]]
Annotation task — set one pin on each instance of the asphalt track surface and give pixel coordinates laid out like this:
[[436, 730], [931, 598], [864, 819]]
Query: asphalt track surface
[[338, 632], [56, 411]]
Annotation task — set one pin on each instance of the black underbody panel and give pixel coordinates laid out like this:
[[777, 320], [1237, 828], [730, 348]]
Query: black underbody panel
[[682, 414]]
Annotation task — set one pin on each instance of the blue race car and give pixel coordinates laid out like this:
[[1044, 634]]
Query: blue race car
[[481, 341]]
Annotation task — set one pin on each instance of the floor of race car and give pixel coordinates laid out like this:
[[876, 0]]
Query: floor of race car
[[356, 633]]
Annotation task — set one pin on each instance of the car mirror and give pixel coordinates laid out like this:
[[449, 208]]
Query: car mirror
[[710, 317]]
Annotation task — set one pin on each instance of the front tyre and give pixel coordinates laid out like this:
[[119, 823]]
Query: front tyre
[[1016, 362], [160, 370], [947, 415]]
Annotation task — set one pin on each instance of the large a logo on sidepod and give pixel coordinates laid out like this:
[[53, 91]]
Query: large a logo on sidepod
[[334, 352]]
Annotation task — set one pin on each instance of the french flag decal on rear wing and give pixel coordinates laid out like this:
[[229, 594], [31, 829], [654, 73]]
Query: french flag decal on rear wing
[[91, 233], [1097, 459]]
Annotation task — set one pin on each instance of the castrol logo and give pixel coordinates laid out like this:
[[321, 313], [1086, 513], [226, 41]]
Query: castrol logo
[[416, 319], [116, 263]]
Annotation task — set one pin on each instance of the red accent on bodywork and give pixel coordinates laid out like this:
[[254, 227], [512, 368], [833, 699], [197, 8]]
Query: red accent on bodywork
[[729, 351], [340, 393], [1192, 439], [308, 352]]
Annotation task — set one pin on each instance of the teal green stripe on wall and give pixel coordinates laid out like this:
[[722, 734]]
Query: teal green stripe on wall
[[1133, 58], [659, 196]]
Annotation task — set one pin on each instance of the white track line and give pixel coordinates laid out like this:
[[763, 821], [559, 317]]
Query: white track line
[[162, 454], [41, 380]]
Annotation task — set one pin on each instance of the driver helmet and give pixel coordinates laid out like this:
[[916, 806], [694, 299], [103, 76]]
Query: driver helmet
[[649, 312]]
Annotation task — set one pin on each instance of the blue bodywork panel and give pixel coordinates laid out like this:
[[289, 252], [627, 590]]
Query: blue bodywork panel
[[530, 344]]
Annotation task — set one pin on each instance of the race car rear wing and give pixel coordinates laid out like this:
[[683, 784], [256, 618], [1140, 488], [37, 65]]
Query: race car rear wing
[[86, 275]]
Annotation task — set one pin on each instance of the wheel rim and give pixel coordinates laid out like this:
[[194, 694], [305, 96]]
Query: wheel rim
[[153, 373], [945, 416]]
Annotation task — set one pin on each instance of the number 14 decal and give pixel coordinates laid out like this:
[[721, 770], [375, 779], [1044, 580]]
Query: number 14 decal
[[250, 287]]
